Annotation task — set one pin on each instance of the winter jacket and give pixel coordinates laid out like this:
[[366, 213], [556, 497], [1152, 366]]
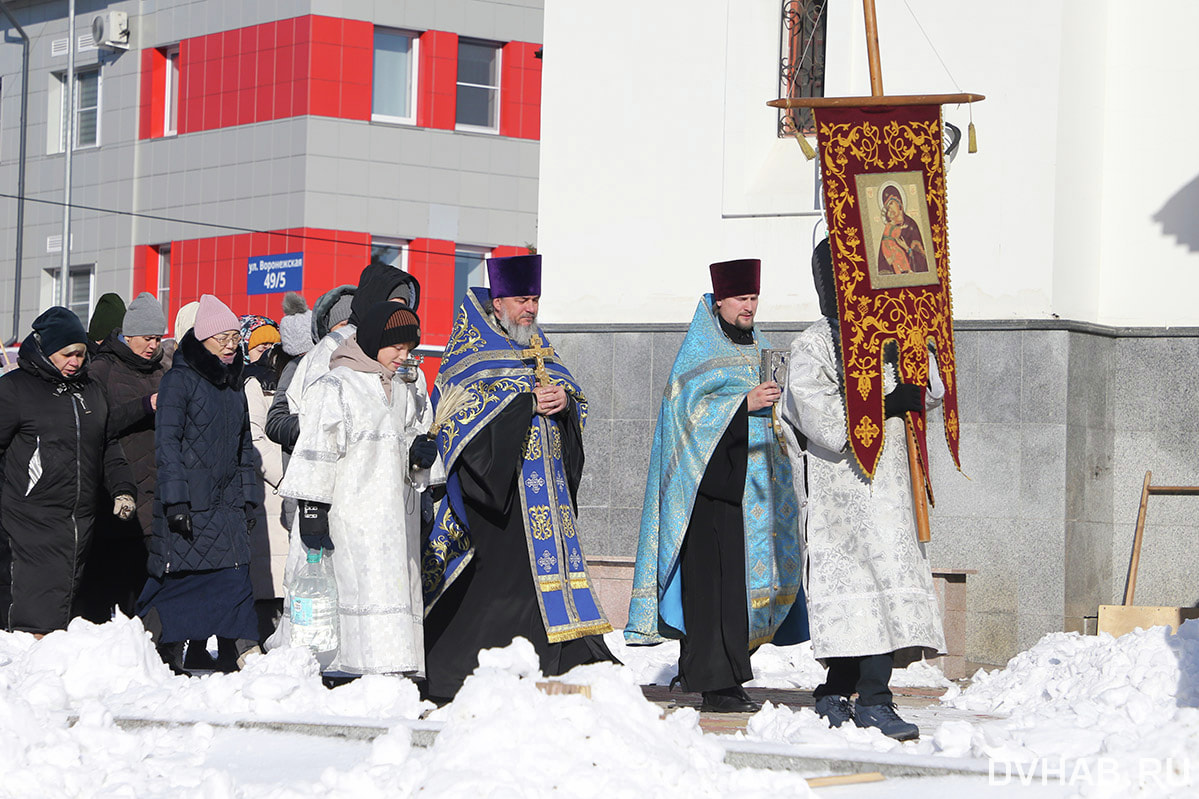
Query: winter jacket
[[60, 465], [205, 463], [129, 381]]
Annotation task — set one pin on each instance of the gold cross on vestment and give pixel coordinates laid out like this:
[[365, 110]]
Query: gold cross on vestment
[[538, 352]]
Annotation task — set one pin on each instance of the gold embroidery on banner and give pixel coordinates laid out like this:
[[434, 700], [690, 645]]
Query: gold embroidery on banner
[[567, 519], [539, 519], [555, 442], [866, 431], [951, 423], [910, 316], [550, 586], [533, 444], [578, 583]]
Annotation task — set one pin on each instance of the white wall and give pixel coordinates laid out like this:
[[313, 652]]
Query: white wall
[[659, 156]]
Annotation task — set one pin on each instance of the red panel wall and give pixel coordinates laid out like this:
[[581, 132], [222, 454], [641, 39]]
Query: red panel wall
[[520, 91], [152, 102], [218, 266], [431, 261], [145, 270], [437, 100], [292, 67]]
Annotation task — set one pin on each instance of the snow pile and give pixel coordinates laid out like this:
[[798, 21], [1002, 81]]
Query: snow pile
[[785, 667], [1120, 711], [504, 737], [116, 666]]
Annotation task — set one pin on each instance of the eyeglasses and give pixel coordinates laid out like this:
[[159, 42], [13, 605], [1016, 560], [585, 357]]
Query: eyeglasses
[[225, 339]]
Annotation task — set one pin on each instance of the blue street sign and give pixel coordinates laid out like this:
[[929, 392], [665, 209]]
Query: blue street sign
[[270, 274]]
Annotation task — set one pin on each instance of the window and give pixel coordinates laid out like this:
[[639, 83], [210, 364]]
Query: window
[[393, 90], [164, 277], [81, 288], [393, 252], [470, 269], [170, 123], [801, 62], [478, 86], [87, 111]]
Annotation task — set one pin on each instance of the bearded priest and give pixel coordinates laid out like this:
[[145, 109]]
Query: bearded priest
[[504, 557], [718, 557]]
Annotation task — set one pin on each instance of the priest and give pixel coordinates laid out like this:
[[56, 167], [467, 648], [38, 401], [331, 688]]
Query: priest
[[869, 586], [504, 557], [718, 556]]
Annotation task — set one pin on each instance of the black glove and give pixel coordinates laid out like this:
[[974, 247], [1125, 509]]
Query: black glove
[[906, 397], [423, 452], [314, 525], [251, 518], [179, 519]]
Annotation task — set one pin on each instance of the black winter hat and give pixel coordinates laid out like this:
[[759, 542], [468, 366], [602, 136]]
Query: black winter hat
[[58, 328], [386, 324]]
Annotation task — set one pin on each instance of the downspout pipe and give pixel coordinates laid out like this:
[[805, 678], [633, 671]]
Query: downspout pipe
[[16, 296]]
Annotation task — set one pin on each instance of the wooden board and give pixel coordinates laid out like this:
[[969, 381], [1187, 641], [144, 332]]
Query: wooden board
[[1120, 619]]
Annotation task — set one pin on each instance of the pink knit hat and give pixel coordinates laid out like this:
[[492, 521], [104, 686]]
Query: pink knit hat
[[212, 317]]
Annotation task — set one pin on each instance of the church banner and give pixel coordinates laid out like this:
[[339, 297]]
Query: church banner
[[883, 179]]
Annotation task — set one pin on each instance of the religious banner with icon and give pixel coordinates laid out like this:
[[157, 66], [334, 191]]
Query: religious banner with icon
[[883, 179]]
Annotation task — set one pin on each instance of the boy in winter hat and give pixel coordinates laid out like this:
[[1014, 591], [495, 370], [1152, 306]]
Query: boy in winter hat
[[355, 490]]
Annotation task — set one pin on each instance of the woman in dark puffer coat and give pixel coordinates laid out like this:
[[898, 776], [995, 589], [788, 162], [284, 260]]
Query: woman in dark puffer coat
[[199, 582], [59, 461], [130, 366]]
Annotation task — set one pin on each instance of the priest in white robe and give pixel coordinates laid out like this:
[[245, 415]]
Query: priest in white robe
[[868, 583], [357, 469]]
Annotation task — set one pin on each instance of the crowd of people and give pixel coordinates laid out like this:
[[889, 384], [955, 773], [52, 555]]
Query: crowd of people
[[189, 480]]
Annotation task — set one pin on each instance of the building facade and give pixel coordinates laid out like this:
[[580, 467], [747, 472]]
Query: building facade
[[230, 134], [1074, 255]]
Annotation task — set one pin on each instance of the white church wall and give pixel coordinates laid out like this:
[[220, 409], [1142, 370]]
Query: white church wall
[[659, 155]]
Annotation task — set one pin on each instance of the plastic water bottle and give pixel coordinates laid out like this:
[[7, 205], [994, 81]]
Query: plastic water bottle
[[314, 609]]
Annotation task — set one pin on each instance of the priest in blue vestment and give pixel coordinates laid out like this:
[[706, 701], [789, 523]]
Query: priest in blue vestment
[[504, 557], [718, 556]]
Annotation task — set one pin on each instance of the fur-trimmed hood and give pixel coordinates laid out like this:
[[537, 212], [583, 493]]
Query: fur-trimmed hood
[[194, 355]]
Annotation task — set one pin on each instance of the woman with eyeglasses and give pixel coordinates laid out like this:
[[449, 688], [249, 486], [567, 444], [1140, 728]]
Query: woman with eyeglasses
[[199, 564]]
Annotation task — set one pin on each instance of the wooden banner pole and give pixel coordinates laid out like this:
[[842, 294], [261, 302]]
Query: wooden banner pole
[[876, 64], [919, 497]]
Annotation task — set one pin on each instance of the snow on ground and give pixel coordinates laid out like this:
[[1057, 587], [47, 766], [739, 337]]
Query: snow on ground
[[1099, 716], [501, 736], [1117, 715]]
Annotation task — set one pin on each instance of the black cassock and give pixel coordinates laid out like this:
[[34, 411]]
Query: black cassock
[[714, 653], [495, 599]]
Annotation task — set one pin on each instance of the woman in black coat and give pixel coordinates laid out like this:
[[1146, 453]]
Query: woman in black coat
[[59, 461], [130, 366], [199, 583]]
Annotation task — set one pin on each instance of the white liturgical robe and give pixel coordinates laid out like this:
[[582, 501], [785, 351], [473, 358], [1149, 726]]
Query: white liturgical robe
[[353, 454], [867, 580]]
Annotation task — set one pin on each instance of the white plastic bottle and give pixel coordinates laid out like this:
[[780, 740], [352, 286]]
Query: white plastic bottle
[[314, 609]]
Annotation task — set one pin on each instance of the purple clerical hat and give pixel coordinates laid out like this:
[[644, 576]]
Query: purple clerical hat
[[515, 276], [735, 278]]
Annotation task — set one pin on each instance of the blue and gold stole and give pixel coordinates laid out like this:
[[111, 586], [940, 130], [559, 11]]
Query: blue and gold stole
[[482, 360]]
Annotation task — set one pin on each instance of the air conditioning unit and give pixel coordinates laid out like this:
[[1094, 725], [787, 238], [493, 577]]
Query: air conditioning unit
[[111, 29]]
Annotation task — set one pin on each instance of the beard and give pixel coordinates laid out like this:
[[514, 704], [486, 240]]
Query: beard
[[520, 334]]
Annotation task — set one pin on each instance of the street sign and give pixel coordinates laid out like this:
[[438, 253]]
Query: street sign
[[270, 274]]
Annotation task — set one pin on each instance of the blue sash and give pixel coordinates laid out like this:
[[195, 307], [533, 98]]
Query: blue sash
[[481, 359]]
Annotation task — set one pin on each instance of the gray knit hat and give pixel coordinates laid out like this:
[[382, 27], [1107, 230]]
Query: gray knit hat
[[340, 311], [295, 328], [144, 317]]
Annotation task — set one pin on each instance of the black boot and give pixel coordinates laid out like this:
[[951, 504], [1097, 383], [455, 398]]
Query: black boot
[[172, 655], [729, 700]]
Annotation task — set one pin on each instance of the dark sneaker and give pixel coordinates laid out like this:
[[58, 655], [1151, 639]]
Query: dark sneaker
[[834, 709], [886, 720], [729, 700]]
